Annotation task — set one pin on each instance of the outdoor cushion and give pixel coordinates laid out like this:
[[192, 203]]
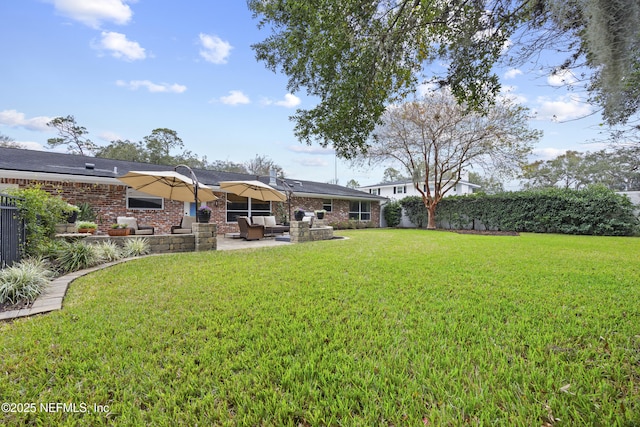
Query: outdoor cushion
[[185, 225], [269, 221], [132, 224], [257, 220]]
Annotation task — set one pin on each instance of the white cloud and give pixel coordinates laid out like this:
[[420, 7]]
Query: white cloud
[[561, 109], [235, 97], [13, 118], [289, 101], [510, 93], [152, 87], [313, 162], [547, 153], [512, 73], [93, 12], [30, 145], [311, 149], [562, 78], [120, 47], [110, 136], [214, 49]]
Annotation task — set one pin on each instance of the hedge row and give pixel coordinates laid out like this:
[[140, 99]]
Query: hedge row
[[595, 210]]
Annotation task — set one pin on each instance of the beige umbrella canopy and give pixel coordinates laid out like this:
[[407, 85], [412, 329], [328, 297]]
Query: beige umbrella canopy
[[253, 189], [168, 184]]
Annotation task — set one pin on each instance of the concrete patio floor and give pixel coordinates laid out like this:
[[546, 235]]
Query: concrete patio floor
[[228, 243]]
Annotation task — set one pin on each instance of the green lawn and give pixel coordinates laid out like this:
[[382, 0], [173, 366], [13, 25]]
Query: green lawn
[[390, 327]]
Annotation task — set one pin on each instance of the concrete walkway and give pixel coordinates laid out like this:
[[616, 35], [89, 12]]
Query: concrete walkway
[[51, 298]]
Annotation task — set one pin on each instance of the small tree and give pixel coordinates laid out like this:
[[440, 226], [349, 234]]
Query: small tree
[[159, 145], [8, 142], [123, 150], [263, 165], [436, 140], [41, 212], [72, 135]]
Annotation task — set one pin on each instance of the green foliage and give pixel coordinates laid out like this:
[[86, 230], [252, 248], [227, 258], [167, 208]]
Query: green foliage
[[86, 225], [72, 135], [615, 168], [392, 213], [595, 210], [124, 150], [351, 224], [135, 247], [86, 212], [415, 210], [77, 255], [108, 251], [388, 327], [41, 212], [24, 281]]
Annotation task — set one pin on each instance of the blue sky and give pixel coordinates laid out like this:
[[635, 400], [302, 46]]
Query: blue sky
[[124, 68]]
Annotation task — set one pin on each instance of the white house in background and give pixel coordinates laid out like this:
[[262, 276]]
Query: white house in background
[[398, 190], [401, 189]]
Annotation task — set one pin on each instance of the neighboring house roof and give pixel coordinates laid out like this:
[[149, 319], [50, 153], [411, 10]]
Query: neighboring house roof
[[396, 183], [32, 164]]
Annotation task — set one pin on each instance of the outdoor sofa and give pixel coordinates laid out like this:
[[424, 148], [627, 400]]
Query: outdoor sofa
[[250, 231], [270, 226], [134, 227]]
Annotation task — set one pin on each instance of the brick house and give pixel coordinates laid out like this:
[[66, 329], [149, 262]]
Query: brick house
[[79, 179]]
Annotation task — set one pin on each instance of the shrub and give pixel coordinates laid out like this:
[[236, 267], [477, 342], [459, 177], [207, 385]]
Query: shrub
[[415, 210], [393, 214], [135, 247], [595, 210], [40, 211], [73, 256], [24, 281], [108, 251]]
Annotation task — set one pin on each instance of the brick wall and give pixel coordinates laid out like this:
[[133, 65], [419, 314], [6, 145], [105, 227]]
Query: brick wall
[[339, 212], [109, 202]]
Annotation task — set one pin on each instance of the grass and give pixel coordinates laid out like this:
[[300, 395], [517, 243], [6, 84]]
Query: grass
[[390, 327]]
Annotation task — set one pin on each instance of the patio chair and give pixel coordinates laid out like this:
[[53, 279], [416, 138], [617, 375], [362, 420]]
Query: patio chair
[[185, 225], [134, 227], [250, 231]]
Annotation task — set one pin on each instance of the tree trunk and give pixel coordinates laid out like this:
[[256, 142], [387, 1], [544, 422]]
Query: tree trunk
[[431, 215]]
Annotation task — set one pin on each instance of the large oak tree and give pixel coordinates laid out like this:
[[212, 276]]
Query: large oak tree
[[357, 57], [436, 140]]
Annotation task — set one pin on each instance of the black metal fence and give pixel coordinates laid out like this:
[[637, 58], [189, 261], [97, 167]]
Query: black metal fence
[[11, 231]]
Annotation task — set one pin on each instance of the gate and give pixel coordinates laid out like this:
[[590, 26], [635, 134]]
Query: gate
[[11, 231]]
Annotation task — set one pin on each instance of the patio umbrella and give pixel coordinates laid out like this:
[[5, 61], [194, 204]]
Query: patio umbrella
[[168, 184], [253, 189]]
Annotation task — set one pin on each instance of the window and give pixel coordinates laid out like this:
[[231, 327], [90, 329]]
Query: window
[[139, 200], [401, 189], [327, 205], [243, 206], [360, 211]]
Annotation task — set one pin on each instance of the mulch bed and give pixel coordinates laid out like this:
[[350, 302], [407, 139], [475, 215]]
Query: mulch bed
[[18, 306]]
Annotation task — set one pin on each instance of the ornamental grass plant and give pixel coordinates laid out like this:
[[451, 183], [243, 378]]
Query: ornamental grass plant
[[388, 327]]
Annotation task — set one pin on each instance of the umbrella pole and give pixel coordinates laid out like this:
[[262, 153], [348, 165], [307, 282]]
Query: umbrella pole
[[195, 184]]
